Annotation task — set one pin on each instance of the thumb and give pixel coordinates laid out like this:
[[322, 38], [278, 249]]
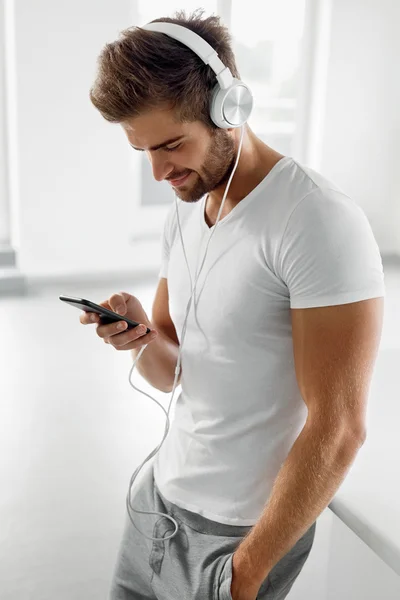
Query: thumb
[[118, 303]]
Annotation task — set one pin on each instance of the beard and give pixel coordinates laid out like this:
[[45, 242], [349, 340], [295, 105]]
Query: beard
[[215, 170]]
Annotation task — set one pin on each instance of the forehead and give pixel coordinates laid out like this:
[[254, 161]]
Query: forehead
[[152, 127], [157, 126]]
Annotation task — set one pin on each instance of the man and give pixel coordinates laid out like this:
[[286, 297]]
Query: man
[[281, 340]]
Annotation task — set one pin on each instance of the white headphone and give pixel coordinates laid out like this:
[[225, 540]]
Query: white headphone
[[230, 106], [231, 100]]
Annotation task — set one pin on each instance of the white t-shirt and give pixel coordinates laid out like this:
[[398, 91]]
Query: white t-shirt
[[296, 241]]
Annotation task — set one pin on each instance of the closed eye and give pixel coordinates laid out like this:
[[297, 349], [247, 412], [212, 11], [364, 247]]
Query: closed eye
[[166, 148], [171, 149]]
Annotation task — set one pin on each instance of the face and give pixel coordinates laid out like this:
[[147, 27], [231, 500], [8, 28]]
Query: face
[[192, 158]]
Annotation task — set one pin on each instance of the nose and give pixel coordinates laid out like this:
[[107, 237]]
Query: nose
[[160, 165]]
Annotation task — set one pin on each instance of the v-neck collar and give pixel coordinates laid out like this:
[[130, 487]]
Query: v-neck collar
[[245, 201]]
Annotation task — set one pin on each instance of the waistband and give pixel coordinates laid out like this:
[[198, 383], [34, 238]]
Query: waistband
[[198, 522]]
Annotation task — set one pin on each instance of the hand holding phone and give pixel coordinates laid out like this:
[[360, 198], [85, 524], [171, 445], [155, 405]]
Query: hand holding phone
[[121, 309]]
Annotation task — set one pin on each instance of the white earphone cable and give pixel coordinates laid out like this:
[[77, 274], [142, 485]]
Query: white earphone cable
[[178, 364]]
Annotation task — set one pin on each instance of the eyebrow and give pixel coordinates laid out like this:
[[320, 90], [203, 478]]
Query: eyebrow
[[158, 146]]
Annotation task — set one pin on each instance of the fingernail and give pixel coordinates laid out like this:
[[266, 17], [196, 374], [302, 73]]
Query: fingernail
[[120, 309]]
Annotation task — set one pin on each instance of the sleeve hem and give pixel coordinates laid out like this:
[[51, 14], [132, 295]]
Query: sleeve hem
[[345, 298]]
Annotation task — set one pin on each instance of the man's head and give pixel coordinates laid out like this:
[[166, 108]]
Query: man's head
[[158, 90]]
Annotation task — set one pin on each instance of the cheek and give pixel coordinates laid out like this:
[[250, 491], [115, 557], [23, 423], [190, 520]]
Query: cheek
[[191, 160]]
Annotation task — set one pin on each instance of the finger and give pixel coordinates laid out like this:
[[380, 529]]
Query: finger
[[112, 329], [118, 302], [88, 317], [132, 339], [143, 340]]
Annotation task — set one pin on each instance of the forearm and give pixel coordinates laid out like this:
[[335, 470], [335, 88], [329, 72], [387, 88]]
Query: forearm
[[158, 361], [306, 483]]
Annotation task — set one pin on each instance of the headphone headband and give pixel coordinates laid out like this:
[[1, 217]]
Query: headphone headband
[[231, 100], [199, 46]]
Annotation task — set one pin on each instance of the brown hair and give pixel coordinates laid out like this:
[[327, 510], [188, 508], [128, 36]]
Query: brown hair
[[142, 70]]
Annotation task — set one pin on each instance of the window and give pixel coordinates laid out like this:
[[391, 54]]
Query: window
[[165, 8], [267, 41]]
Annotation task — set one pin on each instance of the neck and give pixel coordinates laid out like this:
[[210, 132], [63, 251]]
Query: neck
[[255, 162]]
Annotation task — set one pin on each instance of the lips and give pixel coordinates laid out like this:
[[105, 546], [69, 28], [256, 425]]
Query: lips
[[179, 181]]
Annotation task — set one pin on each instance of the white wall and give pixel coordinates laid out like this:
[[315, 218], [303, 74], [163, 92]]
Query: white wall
[[78, 185], [355, 572], [360, 145], [3, 157], [342, 567]]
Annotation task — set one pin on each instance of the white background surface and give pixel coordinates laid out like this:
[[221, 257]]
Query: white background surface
[[77, 178], [73, 431]]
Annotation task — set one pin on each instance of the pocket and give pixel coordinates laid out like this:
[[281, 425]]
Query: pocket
[[225, 580]]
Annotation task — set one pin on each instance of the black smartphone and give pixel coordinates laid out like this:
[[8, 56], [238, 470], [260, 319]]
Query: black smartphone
[[106, 316]]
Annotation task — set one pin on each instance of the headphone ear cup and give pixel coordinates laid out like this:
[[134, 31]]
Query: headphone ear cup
[[231, 107], [216, 102]]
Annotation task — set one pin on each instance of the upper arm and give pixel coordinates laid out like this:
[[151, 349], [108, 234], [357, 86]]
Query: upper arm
[[335, 348], [161, 318]]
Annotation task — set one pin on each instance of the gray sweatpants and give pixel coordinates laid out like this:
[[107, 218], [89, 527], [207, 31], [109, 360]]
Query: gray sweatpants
[[196, 564]]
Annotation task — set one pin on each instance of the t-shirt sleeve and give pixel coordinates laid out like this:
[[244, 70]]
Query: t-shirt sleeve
[[328, 252]]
